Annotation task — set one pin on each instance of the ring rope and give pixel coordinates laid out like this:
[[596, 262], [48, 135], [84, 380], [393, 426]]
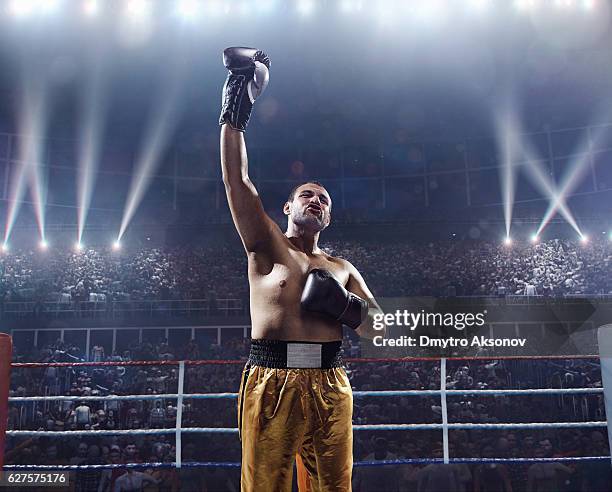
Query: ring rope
[[205, 396], [229, 464], [33, 365], [442, 392], [362, 427]]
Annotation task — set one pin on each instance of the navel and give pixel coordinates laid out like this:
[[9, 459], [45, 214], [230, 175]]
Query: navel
[[282, 283]]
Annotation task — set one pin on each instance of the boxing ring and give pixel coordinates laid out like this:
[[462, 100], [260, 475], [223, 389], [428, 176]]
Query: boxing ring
[[180, 396]]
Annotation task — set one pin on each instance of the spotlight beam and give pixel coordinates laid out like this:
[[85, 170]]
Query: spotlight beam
[[32, 121], [577, 168], [38, 193], [540, 179], [161, 125], [89, 150], [504, 122], [546, 186]]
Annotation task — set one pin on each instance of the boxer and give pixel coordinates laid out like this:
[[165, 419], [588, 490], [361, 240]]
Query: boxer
[[295, 397]]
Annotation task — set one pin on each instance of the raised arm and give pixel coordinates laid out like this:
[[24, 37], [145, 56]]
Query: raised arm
[[247, 79], [253, 224]]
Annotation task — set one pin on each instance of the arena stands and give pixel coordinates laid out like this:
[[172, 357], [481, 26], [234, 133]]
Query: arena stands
[[553, 268], [464, 268]]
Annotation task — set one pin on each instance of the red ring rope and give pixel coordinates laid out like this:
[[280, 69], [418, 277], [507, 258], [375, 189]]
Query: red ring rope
[[32, 365]]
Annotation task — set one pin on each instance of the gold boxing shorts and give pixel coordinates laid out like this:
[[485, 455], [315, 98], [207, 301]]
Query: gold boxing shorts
[[295, 399]]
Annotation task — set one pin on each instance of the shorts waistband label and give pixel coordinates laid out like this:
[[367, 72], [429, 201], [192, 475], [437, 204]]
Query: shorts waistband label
[[304, 355]]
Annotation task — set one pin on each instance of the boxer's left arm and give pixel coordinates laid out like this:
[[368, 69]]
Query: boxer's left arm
[[357, 285]]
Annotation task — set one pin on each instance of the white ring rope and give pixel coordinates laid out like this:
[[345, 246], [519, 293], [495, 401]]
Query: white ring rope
[[204, 396], [363, 427]]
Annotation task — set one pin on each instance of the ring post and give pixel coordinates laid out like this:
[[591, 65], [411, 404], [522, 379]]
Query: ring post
[[6, 350], [604, 340]]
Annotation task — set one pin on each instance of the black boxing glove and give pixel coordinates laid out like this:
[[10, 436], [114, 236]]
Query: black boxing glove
[[247, 79], [323, 294]]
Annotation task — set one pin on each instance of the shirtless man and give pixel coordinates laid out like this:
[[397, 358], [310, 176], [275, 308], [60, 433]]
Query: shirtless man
[[295, 398]]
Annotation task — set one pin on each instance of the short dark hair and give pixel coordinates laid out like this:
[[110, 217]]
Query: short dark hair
[[292, 194]]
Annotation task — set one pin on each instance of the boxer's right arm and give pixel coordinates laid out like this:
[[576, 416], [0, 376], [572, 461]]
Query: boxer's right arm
[[253, 224], [248, 75]]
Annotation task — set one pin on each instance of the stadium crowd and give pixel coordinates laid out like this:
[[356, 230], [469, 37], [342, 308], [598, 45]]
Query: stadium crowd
[[549, 268], [103, 274], [81, 414]]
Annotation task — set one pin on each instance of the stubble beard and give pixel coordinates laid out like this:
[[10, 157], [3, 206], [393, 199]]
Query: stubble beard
[[308, 221]]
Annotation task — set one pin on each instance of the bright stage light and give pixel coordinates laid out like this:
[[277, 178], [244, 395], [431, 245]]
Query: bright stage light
[[265, 6], [588, 4], [78, 246], [507, 241], [524, 4], [43, 245], [5, 248], [349, 6], [138, 9], [216, 7], [48, 6], [116, 246], [535, 238], [189, 9], [584, 239], [245, 8], [91, 7], [479, 4], [21, 8], [305, 7]]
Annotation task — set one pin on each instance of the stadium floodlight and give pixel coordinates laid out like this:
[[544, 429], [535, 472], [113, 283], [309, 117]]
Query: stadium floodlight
[[588, 4], [479, 4], [43, 245], [138, 9], [524, 4], [116, 246], [245, 7], [91, 7], [21, 8], [305, 7], [216, 7], [508, 241], [189, 9], [48, 6], [535, 238], [349, 6]]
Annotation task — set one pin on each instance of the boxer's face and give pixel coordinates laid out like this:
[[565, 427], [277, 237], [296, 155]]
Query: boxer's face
[[310, 208]]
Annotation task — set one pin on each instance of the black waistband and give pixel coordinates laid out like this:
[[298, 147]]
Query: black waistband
[[273, 353]]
